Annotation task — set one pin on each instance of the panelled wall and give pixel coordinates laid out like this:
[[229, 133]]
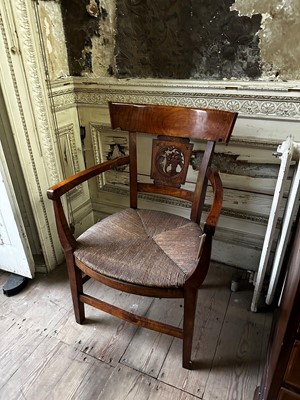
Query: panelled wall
[[70, 151], [56, 83], [224, 54], [267, 115]]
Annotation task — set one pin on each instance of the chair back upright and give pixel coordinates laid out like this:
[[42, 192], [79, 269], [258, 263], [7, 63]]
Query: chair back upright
[[171, 149]]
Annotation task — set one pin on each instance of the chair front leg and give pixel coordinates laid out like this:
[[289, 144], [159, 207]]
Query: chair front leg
[[190, 303], [76, 284]]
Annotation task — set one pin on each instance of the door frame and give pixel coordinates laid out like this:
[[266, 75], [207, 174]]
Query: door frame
[[24, 90], [17, 241]]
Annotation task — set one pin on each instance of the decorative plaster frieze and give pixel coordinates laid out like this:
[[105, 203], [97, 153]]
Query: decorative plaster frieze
[[245, 105], [27, 111], [32, 66], [64, 98], [247, 101]]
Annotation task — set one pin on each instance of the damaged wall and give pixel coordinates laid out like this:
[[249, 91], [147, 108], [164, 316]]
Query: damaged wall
[[170, 39], [186, 40], [54, 39], [78, 37], [200, 40], [279, 35], [89, 34]]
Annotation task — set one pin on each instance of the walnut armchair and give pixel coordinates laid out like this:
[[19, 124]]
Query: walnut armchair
[[147, 252]]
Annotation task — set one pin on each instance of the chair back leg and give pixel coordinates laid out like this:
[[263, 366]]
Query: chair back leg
[[190, 302]]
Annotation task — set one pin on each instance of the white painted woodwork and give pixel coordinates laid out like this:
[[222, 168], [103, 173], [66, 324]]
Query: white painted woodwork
[[15, 253], [23, 86], [286, 150], [49, 147], [291, 208]]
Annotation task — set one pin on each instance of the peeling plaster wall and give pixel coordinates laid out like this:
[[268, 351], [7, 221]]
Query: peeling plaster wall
[[103, 53], [54, 39], [243, 40], [279, 35], [89, 32]]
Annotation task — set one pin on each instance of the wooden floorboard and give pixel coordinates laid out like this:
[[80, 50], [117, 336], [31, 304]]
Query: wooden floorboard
[[155, 346], [103, 336], [212, 304], [55, 370], [236, 363], [44, 354], [134, 385]]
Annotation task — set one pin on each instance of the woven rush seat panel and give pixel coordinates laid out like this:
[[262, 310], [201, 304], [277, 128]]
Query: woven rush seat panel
[[137, 246]]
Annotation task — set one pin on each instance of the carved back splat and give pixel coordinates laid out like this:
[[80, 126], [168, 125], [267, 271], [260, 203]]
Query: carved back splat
[[170, 160]]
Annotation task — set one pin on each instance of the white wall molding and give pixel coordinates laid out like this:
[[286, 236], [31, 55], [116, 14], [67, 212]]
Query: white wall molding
[[38, 91], [25, 97], [69, 155], [268, 113], [278, 101]]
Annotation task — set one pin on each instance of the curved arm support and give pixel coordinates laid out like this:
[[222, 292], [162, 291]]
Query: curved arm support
[[54, 193], [212, 218], [195, 278]]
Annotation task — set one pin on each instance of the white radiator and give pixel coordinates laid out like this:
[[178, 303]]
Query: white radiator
[[288, 151]]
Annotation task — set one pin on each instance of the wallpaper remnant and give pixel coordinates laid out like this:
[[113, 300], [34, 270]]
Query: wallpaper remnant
[[81, 20], [185, 39]]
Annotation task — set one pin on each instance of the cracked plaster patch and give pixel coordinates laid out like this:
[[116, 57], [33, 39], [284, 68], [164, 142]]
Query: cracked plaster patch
[[53, 33], [103, 46], [279, 35]]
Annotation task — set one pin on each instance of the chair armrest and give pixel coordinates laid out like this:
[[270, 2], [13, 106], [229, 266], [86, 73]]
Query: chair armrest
[[215, 210], [56, 191]]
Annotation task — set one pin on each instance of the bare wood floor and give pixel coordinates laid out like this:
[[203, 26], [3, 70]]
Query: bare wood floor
[[44, 354]]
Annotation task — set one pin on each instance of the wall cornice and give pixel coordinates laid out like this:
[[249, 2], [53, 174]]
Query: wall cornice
[[264, 100]]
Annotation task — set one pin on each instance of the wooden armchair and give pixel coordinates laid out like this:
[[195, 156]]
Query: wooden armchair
[[147, 252]]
